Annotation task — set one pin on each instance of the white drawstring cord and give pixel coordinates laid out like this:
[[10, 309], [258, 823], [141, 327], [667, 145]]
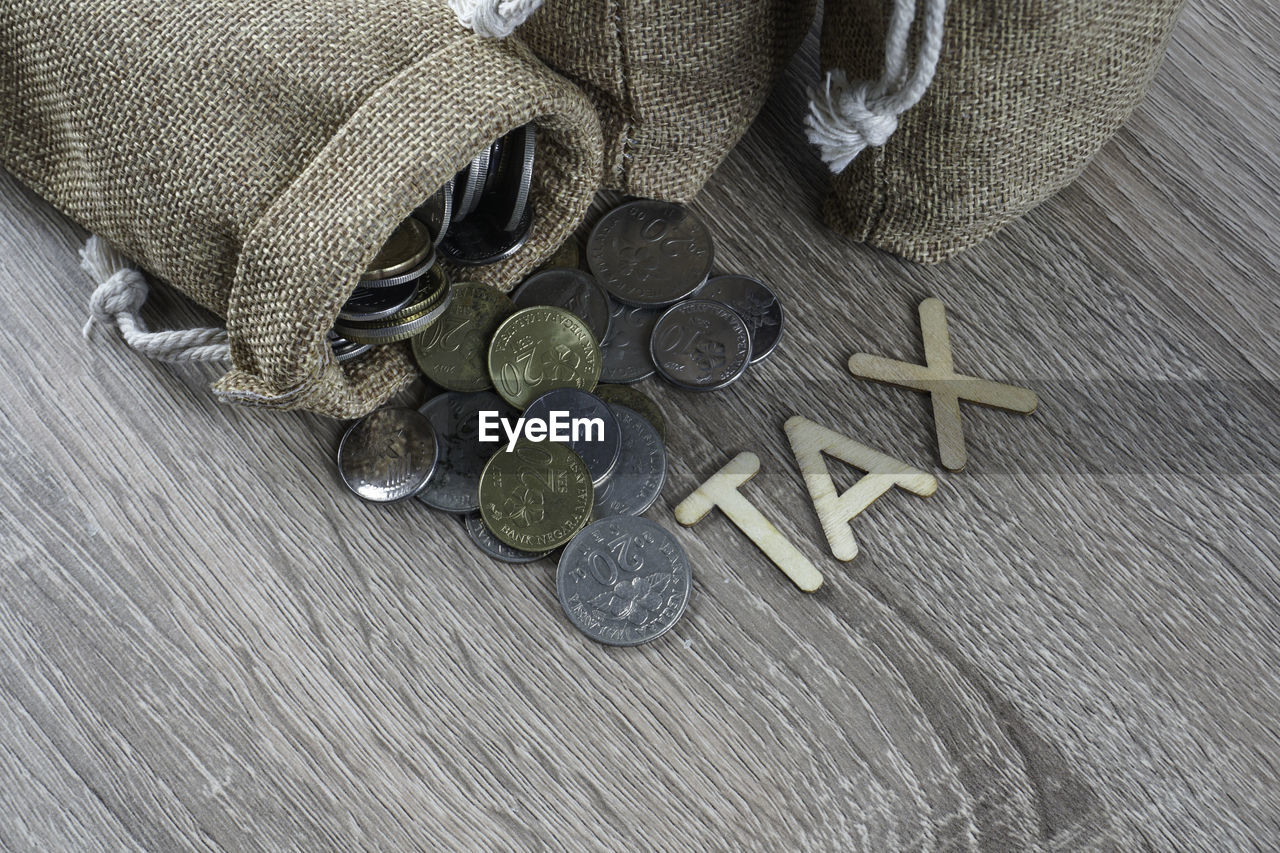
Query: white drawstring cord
[[493, 18], [116, 301], [845, 118]]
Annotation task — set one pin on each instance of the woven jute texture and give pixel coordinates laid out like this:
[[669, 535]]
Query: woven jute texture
[[257, 154], [677, 82], [1025, 94]]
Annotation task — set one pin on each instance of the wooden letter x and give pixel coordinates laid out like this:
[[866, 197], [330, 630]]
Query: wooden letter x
[[937, 377], [809, 441]]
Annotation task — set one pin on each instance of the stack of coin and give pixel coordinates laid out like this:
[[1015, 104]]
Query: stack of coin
[[490, 216], [400, 295]]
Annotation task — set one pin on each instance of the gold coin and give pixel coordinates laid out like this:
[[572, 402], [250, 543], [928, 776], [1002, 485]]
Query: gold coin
[[625, 395], [537, 496], [540, 348], [452, 352], [408, 246]]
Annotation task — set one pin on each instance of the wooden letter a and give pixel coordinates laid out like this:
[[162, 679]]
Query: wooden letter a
[[809, 441]]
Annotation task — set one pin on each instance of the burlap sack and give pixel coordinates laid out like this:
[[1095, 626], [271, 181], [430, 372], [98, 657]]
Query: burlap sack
[[677, 82], [257, 154], [1024, 94]]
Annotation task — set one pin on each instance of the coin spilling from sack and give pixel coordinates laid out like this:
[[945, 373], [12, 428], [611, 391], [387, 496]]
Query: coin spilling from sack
[[540, 440], [480, 216]]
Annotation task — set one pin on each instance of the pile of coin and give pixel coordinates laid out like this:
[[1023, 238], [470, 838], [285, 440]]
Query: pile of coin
[[648, 304], [654, 305], [480, 216]]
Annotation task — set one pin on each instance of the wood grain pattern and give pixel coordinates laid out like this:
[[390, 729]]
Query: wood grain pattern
[[206, 643]]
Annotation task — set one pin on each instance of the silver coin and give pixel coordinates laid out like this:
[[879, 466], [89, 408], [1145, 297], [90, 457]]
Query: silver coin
[[436, 212], [377, 303], [380, 332], [484, 539], [471, 187], [701, 345], [345, 350], [624, 581], [388, 455], [600, 444], [625, 350], [455, 417], [650, 253], [397, 280], [518, 177], [755, 303], [573, 290], [498, 155], [477, 240], [641, 472]]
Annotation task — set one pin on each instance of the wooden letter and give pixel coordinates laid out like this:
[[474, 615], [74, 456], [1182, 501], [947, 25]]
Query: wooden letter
[[947, 388], [722, 491], [809, 441]]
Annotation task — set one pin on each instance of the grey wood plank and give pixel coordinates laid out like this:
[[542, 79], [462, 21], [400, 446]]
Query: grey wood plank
[[206, 643]]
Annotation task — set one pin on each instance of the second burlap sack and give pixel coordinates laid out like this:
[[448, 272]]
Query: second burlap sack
[[677, 82], [1023, 95], [257, 154]]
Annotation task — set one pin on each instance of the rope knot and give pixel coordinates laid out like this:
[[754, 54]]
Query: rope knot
[[493, 18], [845, 118], [117, 301], [122, 293]]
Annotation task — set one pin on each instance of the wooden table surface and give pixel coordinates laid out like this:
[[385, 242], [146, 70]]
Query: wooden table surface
[[207, 643]]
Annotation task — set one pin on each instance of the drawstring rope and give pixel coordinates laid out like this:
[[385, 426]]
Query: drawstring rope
[[116, 301], [844, 118], [493, 18]]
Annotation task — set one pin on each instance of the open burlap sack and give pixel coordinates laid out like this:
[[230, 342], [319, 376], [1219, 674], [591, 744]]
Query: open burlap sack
[[1023, 95], [257, 154], [677, 82]]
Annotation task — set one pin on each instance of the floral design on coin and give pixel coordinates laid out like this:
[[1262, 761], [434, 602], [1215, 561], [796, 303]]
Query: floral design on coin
[[641, 472], [538, 349], [598, 449], [624, 581], [625, 350], [536, 496], [701, 345], [452, 353], [755, 303], [650, 253], [573, 290], [388, 455], [455, 417]]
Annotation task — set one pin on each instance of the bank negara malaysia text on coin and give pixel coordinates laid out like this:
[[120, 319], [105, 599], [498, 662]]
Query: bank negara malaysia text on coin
[[536, 496], [641, 472]]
